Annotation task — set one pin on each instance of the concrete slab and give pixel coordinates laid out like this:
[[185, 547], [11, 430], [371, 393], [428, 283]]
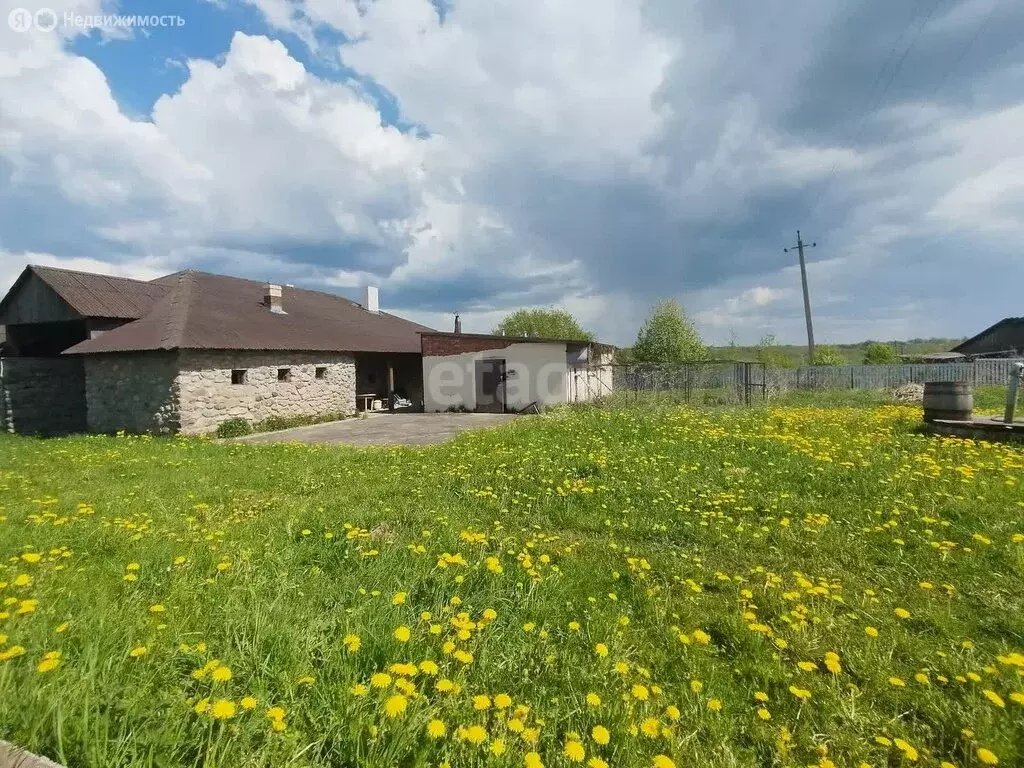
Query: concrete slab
[[15, 757], [978, 428], [385, 429]]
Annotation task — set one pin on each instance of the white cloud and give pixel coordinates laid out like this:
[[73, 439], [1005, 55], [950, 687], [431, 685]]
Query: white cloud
[[595, 155]]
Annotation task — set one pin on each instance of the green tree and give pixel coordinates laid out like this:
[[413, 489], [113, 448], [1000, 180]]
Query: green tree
[[876, 353], [772, 355], [547, 323], [668, 336], [826, 355]]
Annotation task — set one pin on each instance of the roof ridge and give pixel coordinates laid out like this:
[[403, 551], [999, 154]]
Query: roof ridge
[[177, 311], [65, 270]]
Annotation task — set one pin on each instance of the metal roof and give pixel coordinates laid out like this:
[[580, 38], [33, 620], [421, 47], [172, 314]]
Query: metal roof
[[92, 295], [198, 310]]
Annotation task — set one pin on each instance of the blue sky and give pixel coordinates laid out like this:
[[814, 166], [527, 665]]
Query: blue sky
[[596, 155]]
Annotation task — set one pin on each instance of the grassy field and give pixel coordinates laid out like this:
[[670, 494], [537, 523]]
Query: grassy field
[[770, 587]]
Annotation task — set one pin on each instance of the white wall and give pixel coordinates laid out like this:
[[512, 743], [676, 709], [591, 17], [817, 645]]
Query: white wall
[[539, 376]]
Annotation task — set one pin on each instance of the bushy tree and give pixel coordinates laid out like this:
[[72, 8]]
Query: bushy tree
[[772, 355], [876, 353], [826, 355], [547, 323], [668, 336]]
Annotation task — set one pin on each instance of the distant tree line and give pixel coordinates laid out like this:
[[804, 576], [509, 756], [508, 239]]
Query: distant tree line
[[669, 336]]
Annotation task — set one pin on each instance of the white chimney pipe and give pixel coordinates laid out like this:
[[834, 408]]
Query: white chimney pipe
[[372, 303]]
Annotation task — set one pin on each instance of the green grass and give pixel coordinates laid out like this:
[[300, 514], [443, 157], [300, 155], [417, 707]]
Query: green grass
[[710, 552]]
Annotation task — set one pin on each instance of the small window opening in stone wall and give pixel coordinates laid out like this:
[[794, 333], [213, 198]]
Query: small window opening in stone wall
[[321, 371], [284, 374], [238, 376]]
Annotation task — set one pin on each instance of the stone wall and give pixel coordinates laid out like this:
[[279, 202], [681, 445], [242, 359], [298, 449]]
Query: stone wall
[[134, 392], [208, 397], [42, 395]]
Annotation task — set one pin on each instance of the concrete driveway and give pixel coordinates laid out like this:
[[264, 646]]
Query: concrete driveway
[[385, 429]]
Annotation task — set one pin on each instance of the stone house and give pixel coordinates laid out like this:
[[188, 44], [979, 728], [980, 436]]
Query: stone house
[[185, 352]]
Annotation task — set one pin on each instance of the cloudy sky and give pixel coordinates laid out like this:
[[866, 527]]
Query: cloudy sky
[[483, 156]]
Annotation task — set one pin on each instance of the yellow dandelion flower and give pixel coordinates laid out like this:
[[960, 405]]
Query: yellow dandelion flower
[[696, 686], [596, 762], [138, 651], [436, 729], [761, 696], [801, 693], [897, 682], [908, 751], [481, 702], [640, 692], [497, 747], [600, 734], [399, 598], [358, 690], [396, 705], [995, 698], [574, 751], [663, 761], [764, 714], [402, 634], [532, 760], [48, 664], [672, 712], [715, 705], [601, 650], [902, 613], [248, 703], [650, 727], [352, 643], [593, 700], [502, 701], [871, 631], [222, 709], [221, 674], [429, 667], [987, 756], [380, 680], [475, 734]]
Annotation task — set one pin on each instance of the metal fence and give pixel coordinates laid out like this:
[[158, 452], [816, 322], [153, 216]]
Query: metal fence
[[979, 373], [710, 383]]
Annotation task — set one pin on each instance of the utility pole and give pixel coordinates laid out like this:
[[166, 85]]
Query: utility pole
[[800, 245]]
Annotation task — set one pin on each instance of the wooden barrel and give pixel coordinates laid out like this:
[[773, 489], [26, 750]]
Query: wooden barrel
[[951, 400]]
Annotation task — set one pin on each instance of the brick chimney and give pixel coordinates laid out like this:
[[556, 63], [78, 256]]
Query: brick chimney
[[272, 299], [372, 303]]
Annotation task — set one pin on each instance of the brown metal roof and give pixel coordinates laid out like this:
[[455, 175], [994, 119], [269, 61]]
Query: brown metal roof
[[518, 339], [93, 295], [198, 310]]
